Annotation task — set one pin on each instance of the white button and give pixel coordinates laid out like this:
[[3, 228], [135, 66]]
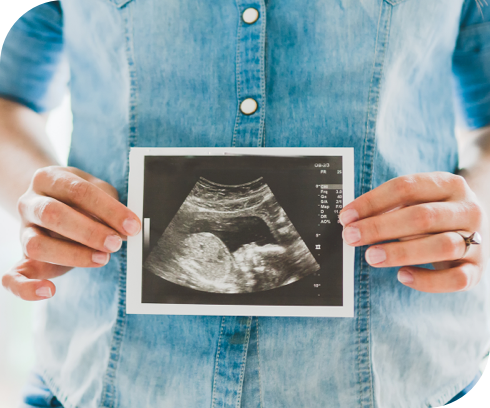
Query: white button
[[250, 15], [248, 106]]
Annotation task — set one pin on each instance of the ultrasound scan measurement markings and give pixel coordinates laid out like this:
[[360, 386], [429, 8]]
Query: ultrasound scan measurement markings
[[146, 232]]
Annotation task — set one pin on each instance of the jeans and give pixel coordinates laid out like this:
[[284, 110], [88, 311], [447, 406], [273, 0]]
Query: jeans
[[37, 395], [466, 390]]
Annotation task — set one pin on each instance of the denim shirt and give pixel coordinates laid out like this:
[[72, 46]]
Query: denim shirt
[[387, 77]]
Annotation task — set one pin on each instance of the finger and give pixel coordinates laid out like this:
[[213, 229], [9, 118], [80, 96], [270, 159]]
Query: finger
[[56, 235], [74, 190], [33, 269], [94, 218], [414, 237], [447, 246], [41, 247], [403, 191], [28, 279], [414, 220], [58, 217], [28, 289], [103, 185], [462, 277]]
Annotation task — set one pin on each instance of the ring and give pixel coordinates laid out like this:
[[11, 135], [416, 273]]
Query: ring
[[474, 238]]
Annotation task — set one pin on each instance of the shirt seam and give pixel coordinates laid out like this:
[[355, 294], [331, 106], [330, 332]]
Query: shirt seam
[[55, 390], [109, 396], [216, 367], [261, 401], [244, 362], [237, 75], [262, 74], [365, 378]]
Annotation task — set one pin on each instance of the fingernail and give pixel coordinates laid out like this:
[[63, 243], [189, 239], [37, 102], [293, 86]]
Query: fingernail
[[132, 227], [348, 216], [113, 243], [375, 255], [100, 258], [351, 235], [405, 276], [44, 292]]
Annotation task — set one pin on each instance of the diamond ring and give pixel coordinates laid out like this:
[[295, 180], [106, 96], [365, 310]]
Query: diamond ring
[[474, 238]]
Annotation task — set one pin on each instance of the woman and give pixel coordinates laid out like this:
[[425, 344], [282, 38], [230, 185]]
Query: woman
[[375, 75]]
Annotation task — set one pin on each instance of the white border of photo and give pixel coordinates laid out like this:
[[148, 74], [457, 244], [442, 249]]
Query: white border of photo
[[134, 304]]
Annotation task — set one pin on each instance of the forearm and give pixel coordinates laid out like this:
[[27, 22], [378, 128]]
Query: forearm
[[24, 148]]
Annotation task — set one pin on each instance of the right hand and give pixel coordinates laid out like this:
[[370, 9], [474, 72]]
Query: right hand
[[69, 219]]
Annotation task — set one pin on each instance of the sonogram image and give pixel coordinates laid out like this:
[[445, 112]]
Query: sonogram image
[[231, 239]]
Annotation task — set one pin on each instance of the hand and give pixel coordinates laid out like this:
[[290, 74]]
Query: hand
[[69, 219], [421, 211]]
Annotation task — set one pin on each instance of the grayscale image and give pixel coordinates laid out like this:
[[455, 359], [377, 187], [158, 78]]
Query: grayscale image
[[226, 231], [231, 239]]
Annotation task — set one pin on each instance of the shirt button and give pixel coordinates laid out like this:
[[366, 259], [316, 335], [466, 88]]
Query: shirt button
[[250, 15], [248, 106]]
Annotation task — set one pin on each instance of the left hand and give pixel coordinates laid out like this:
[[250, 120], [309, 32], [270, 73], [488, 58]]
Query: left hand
[[421, 212]]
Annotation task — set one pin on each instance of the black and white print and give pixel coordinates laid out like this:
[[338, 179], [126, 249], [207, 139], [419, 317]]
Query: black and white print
[[229, 232], [231, 239]]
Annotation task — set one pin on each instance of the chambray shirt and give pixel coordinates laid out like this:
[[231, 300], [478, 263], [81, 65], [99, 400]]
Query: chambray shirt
[[387, 77]]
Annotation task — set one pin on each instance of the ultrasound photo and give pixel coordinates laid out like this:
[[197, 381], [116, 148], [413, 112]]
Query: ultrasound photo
[[229, 232], [231, 239]]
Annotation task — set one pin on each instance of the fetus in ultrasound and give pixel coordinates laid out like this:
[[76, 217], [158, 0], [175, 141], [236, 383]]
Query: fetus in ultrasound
[[231, 239]]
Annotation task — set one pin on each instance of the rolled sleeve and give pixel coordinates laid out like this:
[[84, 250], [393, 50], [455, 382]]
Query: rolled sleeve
[[33, 70], [471, 66]]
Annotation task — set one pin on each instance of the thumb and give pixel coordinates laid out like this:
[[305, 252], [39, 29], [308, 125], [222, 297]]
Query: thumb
[[28, 279]]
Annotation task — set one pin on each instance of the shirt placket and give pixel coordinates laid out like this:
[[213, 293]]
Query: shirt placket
[[230, 361], [250, 76], [235, 331]]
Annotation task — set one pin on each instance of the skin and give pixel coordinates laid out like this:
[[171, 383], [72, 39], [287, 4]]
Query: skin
[[70, 218], [420, 213]]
